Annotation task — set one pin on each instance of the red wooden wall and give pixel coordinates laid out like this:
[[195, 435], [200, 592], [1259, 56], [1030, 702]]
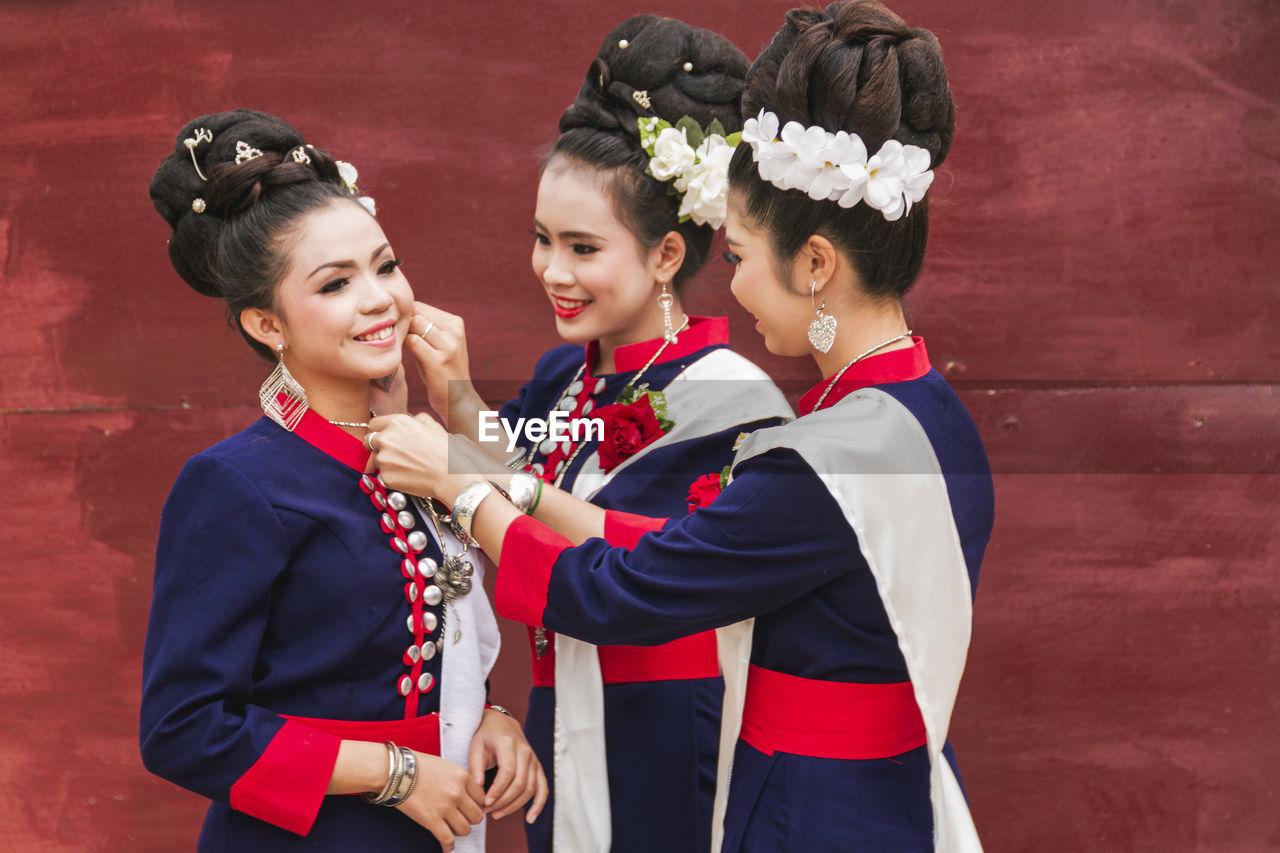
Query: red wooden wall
[[1101, 288]]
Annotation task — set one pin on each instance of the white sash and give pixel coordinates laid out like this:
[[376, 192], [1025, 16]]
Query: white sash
[[875, 459], [581, 821], [463, 669]]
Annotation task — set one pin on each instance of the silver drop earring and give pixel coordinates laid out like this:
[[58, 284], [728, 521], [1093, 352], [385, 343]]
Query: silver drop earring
[[822, 331], [666, 300], [281, 397]]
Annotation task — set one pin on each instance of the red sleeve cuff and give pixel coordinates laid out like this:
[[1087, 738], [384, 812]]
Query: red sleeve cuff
[[529, 551], [286, 785], [624, 529]]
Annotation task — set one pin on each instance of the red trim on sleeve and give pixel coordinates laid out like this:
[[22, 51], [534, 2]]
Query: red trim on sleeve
[[529, 551], [624, 529], [286, 785]]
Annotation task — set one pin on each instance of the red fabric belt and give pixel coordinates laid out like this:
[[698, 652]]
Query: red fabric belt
[[829, 719], [688, 657], [421, 734]]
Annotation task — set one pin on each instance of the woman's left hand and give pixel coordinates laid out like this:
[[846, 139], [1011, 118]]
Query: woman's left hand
[[499, 740]]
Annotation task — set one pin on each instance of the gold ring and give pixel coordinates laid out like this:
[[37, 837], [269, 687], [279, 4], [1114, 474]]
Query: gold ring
[[427, 330]]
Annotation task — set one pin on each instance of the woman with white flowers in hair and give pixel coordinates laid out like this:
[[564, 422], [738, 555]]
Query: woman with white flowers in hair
[[844, 550], [630, 195], [313, 634]]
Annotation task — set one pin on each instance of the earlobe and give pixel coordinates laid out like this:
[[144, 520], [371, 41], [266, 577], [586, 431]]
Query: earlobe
[[263, 326]]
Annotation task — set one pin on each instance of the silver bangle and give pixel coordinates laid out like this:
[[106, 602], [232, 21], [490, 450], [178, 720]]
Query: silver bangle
[[395, 774], [500, 710], [515, 463], [464, 509], [523, 489], [409, 775]]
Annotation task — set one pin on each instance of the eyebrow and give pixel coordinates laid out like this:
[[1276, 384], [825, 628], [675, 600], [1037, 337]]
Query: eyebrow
[[730, 240], [571, 235], [348, 264]]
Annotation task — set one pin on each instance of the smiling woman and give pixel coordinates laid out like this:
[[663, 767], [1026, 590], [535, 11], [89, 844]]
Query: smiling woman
[[296, 643], [628, 201]]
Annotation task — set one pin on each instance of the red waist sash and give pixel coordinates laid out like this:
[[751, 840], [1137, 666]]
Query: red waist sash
[[829, 719], [688, 657], [421, 734]]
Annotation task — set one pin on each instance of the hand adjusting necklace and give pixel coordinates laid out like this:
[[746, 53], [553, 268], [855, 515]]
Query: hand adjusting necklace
[[857, 359]]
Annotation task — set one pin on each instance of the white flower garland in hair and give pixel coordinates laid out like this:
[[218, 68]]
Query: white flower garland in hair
[[695, 161], [835, 166], [348, 174]]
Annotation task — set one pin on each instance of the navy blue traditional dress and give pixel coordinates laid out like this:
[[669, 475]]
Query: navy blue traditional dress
[[298, 603], [851, 539], [654, 712]]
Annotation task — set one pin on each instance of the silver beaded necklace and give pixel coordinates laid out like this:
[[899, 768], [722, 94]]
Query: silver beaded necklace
[[857, 359]]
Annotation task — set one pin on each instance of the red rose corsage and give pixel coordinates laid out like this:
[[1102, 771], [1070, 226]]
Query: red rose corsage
[[707, 488], [630, 425]]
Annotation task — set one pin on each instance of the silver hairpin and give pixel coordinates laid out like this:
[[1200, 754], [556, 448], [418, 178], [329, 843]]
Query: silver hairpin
[[202, 135], [246, 152], [300, 155]]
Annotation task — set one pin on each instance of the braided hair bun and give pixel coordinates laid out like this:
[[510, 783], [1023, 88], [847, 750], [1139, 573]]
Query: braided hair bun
[[678, 69], [233, 185], [651, 66], [855, 66]]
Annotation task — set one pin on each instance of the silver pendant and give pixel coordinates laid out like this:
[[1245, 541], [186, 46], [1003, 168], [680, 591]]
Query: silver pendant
[[454, 577]]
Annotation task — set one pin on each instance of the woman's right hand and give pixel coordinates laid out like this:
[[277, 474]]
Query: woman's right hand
[[438, 341], [446, 800]]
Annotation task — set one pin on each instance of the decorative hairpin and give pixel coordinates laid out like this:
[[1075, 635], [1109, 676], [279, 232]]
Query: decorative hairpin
[[300, 155], [641, 97], [198, 205], [202, 135], [246, 152]]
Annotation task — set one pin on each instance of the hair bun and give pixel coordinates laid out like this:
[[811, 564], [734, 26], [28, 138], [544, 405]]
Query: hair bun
[[199, 183], [650, 65], [856, 66]]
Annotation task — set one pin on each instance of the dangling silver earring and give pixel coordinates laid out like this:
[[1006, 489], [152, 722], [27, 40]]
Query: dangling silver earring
[[282, 398], [822, 331], [666, 300]]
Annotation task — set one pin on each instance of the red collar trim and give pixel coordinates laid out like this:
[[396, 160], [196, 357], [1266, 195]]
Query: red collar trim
[[333, 440], [702, 333], [899, 365]]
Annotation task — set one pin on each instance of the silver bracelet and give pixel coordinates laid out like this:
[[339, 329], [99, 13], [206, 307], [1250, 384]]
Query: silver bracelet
[[515, 463], [409, 776], [464, 509], [523, 488], [500, 710], [395, 774]]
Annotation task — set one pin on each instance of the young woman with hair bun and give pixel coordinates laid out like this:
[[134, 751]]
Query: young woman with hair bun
[[630, 195], [313, 633], [845, 548]]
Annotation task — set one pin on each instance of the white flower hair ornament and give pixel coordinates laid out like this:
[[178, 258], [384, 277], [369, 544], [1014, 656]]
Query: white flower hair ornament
[[835, 166], [349, 176], [696, 163]]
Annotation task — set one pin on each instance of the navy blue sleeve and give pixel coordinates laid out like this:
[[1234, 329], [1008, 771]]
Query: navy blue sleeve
[[221, 548], [774, 535]]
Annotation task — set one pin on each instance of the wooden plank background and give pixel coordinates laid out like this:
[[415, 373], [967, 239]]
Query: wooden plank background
[[1101, 288]]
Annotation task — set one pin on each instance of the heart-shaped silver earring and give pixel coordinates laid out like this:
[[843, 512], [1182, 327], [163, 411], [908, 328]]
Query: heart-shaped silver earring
[[822, 331]]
